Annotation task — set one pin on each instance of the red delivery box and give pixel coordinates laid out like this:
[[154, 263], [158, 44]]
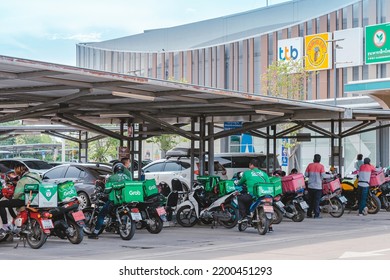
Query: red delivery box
[[293, 183], [331, 186]]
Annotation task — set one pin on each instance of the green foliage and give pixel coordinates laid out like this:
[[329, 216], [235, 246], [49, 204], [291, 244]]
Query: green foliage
[[166, 141], [34, 139], [286, 79], [103, 150]]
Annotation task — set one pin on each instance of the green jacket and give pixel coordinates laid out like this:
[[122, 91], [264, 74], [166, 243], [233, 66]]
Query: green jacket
[[116, 178], [253, 176], [27, 178]]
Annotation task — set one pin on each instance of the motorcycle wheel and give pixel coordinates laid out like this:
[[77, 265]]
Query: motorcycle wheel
[[336, 203], [278, 216], [35, 237], [90, 221], [300, 216], [75, 235], [127, 226], [186, 216], [242, 226], [263, 223], [156, 226], [233, 221], [373, 204]]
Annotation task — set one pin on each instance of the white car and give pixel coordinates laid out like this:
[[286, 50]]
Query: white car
[[164, 170]]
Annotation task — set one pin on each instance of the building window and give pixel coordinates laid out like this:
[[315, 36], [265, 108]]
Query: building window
[[355, 14], [365, 13], [345, 21], [381, 11], [257, 65]]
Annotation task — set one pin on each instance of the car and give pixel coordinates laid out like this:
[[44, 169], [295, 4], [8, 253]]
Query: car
[[164, 170], [33, 165], [3, 170], [237, 162], [84, 176]]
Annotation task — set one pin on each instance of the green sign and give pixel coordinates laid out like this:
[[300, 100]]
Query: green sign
[[378, 43]]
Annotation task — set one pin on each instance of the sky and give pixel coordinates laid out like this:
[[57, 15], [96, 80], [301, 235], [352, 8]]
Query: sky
[[48, 30]]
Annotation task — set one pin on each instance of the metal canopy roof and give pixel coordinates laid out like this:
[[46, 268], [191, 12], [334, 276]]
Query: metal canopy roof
[[84, 98]]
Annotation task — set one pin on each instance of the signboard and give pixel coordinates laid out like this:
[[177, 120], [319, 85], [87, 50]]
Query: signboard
[[232, 125], [318, 55], [290, 50], [284, 152], [377, 43], [346, 41]]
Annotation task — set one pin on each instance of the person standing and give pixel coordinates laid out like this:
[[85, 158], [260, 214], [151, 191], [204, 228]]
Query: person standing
[[127, 163], [358, 162], [365, 171], [315, 171]]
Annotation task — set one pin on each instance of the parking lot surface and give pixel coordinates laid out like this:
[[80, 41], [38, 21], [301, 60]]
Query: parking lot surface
[[347, 238]]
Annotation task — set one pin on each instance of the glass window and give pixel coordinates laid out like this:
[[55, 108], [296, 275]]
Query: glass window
[[173, 166], [73, 172], [36, 164], [55, 173], [155, 167], [356, 15]]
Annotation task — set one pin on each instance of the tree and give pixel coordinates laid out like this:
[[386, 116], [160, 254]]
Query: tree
[[103, 149], [287, 79], [166, 142]]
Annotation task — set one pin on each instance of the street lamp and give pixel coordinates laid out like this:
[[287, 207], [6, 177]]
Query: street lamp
[[335, 47]]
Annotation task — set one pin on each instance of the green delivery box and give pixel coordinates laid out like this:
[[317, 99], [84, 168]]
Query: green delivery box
[[47, 196], [209, 182], [262, 189], [66, 191], [133, 191], [226, 186], [31, 194], [277, 184], [150, 187]]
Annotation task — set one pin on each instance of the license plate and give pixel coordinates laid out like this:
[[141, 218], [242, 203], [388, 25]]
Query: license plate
[[136, 216], [78, 216], [268, 208], [280, 204], [303, 204], [47, 224], [342, 199], [161, 211]]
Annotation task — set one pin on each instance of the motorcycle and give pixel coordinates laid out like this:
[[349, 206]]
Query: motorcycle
[[332, 201], [32, 225], [118, 220], [349, 186], [149, 214], [68, 221], [261, 215], [223, 210]]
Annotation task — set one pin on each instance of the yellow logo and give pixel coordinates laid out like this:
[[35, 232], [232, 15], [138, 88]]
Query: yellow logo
[[317, 56]]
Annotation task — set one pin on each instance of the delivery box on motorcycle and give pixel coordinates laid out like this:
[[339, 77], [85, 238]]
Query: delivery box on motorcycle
[[273, 188], [115, 190], [293, 183], [331, 186], [209, 182], [377, 178], [150, 187], [133, 191], [41, 195], [226, 187], [66, 191]]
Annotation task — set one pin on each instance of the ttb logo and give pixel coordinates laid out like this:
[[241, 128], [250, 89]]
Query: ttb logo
[[287, 53]]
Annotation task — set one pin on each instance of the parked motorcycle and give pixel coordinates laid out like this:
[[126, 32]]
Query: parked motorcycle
[[291, 203], [149, 214], [332, 201], [261, 215], [32, 225], [223, 210], [118, 220], [68, 221], [349, 186]]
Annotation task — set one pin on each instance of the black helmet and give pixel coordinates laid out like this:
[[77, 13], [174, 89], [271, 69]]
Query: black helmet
[[367, 160], [317, 158], [118, 168]]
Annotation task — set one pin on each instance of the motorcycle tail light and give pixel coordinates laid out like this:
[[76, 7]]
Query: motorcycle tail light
[[134, 210], [268, 199], [47, 215]]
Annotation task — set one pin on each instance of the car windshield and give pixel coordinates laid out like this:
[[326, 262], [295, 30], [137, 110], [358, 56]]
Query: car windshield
[[37, 164], [96, 171]]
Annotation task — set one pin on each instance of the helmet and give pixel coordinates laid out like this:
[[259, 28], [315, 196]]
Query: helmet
[[118, 168], [367, 160], [317, 158]]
